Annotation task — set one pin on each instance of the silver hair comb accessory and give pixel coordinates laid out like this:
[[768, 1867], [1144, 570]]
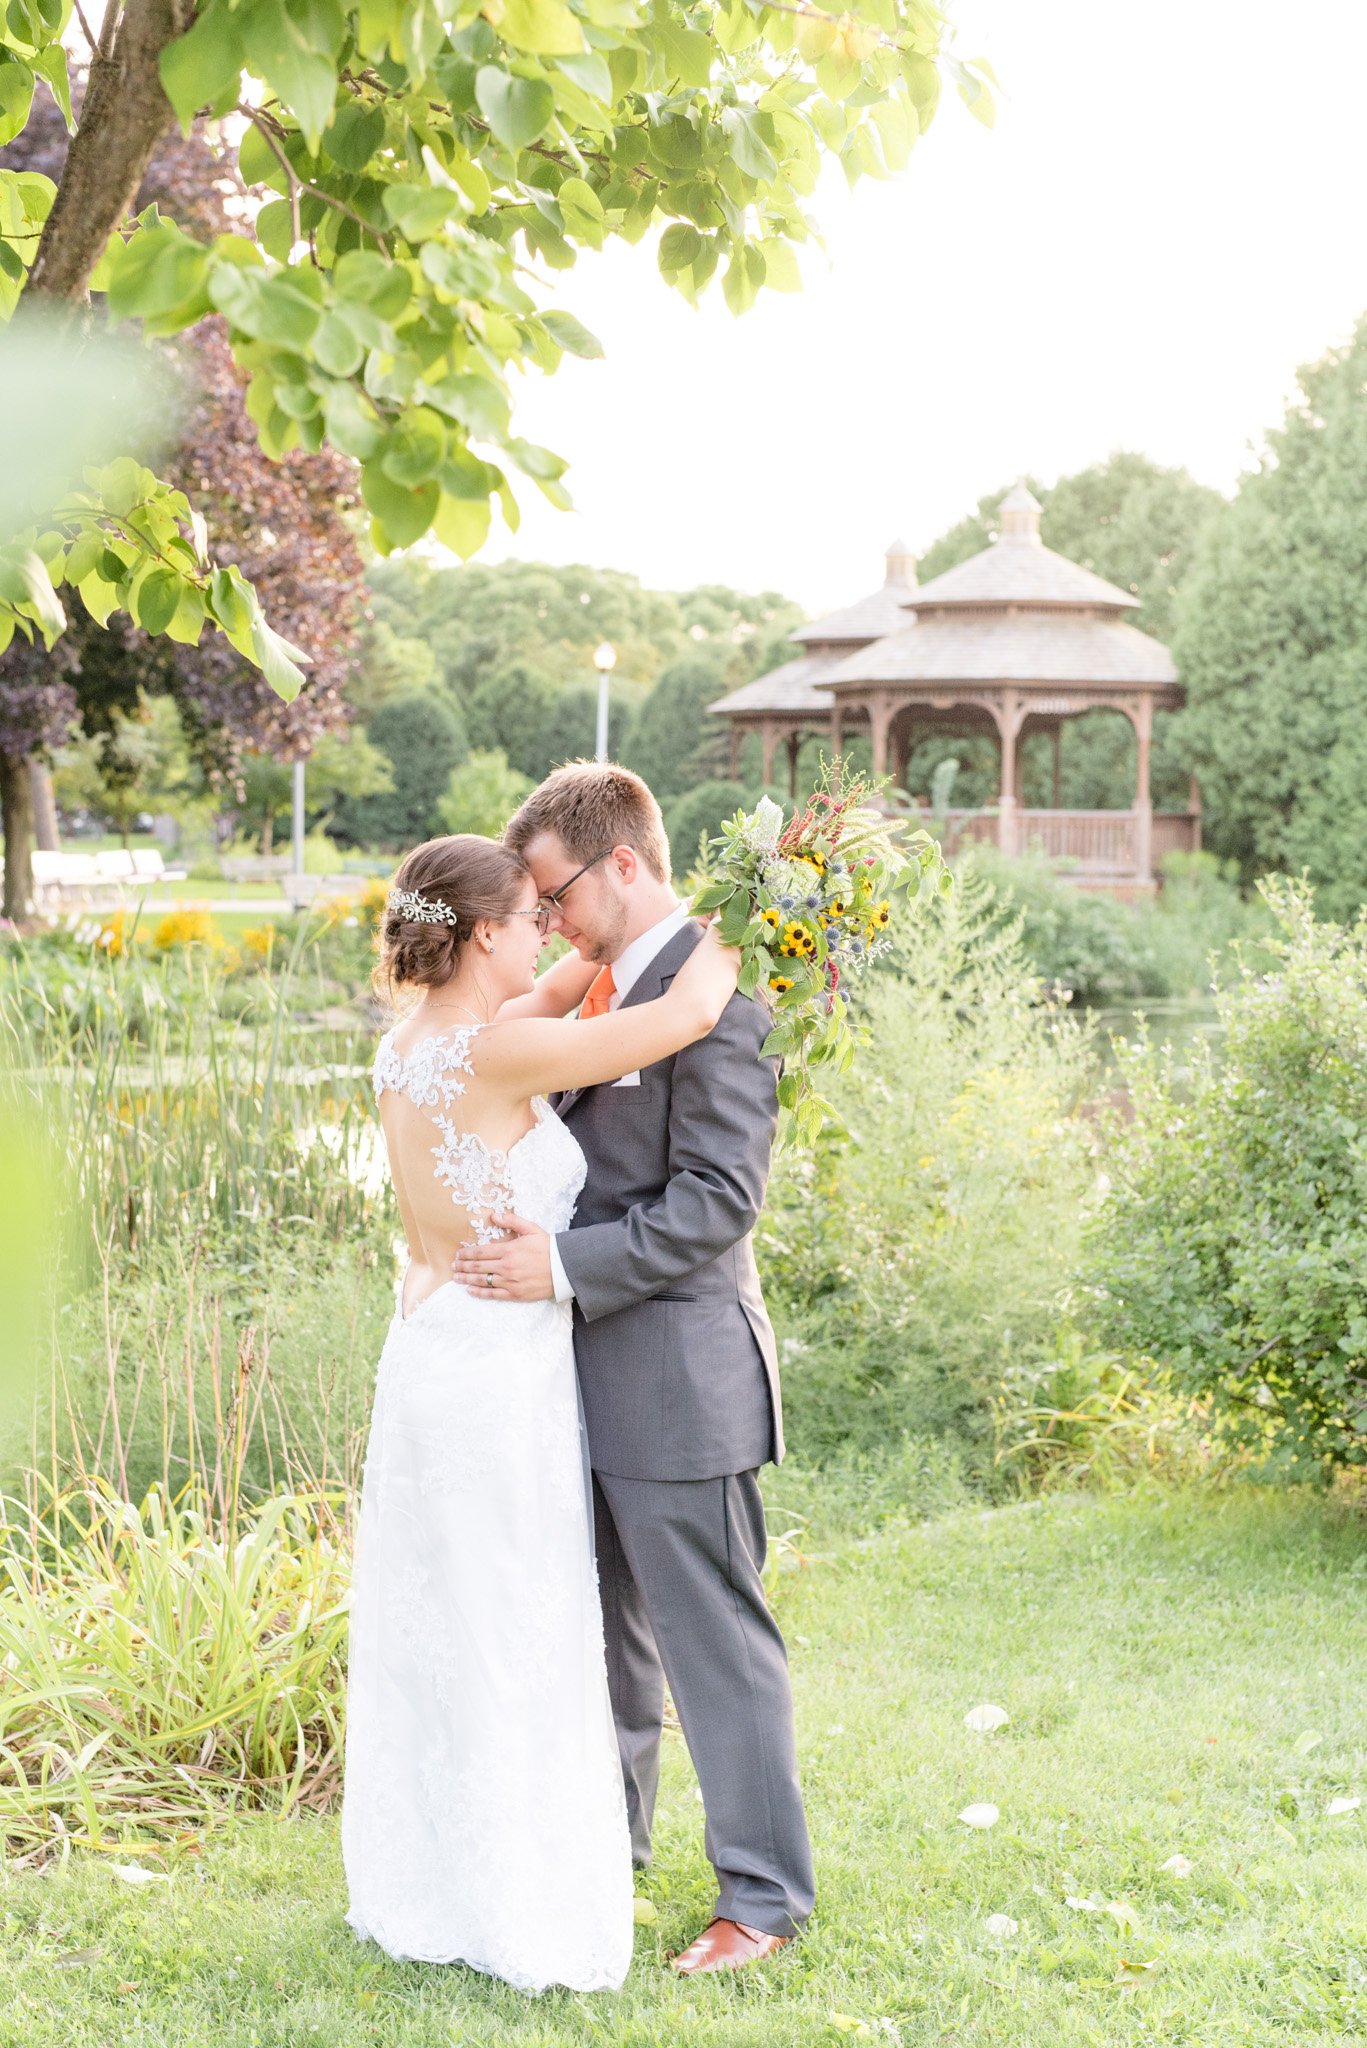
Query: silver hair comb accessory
[[416, 909]]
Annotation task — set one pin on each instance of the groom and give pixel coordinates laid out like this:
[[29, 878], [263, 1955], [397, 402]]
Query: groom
[[676, 1360]]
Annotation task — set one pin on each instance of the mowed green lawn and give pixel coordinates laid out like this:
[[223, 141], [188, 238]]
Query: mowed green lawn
[[1184, 1676]]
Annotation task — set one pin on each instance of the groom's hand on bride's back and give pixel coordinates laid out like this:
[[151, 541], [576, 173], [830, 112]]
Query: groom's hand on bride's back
[[518, 1268]]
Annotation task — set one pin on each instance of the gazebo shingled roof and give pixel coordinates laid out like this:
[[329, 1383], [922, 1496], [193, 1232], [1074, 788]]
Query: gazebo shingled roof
[[1016, 637]]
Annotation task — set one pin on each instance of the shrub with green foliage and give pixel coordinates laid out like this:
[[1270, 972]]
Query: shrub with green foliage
[[482, 794], [921, 1249], [1232, 1244], [1106, 951], [423, 740]]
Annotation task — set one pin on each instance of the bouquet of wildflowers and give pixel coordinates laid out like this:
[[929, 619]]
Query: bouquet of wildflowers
[[810, 904]]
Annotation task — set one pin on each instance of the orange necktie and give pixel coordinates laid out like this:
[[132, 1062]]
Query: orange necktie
[[595, 1003]]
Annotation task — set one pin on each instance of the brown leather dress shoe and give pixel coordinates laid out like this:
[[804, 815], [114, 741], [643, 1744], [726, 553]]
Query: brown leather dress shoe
[[726, 1945]]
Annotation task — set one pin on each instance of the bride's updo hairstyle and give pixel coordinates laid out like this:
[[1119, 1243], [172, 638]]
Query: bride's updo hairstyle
[[465, 875]]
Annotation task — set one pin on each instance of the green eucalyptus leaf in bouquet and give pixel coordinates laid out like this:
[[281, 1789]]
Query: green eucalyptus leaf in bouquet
[[809, 904]]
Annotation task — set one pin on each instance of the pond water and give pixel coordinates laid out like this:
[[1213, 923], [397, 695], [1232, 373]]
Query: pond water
[[1181, 1022]]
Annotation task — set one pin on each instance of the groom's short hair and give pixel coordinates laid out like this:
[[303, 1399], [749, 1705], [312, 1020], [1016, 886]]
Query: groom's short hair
[[590, 806]]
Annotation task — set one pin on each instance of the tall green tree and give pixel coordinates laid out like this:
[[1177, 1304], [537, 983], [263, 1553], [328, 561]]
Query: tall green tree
[[674, 741], [423, 740], [1272, 645], [511, 712]]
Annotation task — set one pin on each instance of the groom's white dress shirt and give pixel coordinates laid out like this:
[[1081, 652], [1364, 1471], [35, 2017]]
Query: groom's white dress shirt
[[627, 970]]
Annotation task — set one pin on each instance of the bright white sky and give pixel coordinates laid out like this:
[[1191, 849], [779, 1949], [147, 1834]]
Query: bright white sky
[[1167, 219]]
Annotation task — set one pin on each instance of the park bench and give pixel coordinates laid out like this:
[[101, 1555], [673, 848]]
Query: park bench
[[96, 881]]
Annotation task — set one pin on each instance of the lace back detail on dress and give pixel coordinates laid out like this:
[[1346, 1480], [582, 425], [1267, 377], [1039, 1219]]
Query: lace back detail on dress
[[478, 1175]]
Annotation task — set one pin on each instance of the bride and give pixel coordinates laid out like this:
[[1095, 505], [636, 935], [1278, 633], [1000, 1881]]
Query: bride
[[484, 1818]]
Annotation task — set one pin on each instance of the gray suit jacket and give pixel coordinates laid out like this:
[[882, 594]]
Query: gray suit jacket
[[676, 1355]]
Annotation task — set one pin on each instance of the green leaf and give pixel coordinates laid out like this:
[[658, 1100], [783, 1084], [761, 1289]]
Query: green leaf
[[51, 65], [16, 96], [258, 162], [480, 405], [517, 109], [744, 276], [305, 79], [420, 210], [735, 28], [567, 333], [462, 524], [787, 1087], [355, 135], [284, 313], [24, 580], [156, 599], [591, 73], [546, 27], [466, 272], [275, 229], [121, 485], [688, 52], [352, 422], [416, 449], [404, 514], [366, 277], [278, 660], [749, 150], [680, 244], [334, 345], [781, 272], [198, 68]]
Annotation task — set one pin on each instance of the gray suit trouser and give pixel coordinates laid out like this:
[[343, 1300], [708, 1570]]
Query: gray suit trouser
[[679, 1570]]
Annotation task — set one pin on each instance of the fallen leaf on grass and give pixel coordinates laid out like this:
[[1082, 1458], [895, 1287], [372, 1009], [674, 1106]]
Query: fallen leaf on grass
[[984, 1720], [133, 1873], [1001, 1925], [1132, 1977], [1303, 1744], [1124, 1916], [79, 1959], [1178, 1866], [847, 2025], [1085, 1905], [127, 1987], [643, 1912], [983, 1816], [1343, 1806]]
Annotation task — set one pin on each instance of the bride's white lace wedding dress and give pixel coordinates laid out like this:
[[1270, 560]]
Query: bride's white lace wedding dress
[[484, 1819]]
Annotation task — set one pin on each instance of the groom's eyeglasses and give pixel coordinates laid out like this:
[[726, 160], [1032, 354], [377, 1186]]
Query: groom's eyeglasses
[[552, 901]]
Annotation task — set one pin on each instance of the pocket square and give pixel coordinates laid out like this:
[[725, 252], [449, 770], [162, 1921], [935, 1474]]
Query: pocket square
[[629, 1080]]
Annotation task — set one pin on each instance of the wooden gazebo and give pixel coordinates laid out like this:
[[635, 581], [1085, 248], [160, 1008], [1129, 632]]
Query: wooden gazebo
[[1013, 641]]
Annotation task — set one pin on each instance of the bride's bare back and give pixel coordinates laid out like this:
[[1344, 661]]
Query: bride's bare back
[[454, 1102]]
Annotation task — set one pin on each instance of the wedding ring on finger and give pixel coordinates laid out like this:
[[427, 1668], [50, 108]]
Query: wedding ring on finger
[[488, 1279]]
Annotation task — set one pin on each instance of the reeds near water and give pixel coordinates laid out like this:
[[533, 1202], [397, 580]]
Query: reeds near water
[[175, 1561]]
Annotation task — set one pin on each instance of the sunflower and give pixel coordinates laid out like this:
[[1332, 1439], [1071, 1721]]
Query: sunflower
[[880, 917], [812, 860], [772, 917], [780, 983], [797, 943], [836, 908]]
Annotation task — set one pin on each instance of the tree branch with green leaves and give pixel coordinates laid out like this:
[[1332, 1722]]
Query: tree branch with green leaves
[[414, 156]]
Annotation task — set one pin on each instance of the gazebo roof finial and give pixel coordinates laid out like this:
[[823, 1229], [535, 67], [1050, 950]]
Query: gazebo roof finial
[[901, 563], [1020, 513]]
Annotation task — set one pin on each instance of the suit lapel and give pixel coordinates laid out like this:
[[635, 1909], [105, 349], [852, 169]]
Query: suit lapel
[[649, 983]]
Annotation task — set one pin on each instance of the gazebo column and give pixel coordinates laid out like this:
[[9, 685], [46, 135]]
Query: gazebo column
[[794, 744], [1058, 762], [768, 740], [1008, 725], [901, 751], [1143, 802], [880, 718], [1194, 812], [736, 736], [837, 730]]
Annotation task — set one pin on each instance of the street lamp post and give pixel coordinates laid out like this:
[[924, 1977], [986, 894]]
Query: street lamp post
[[297, 820], [604, 660]]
